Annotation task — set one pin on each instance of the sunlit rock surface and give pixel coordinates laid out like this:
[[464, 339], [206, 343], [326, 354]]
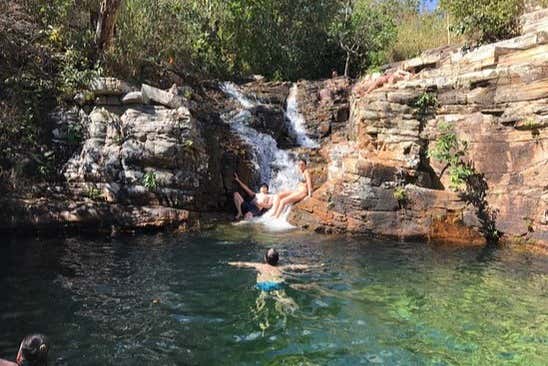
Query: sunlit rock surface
[[495, 96]]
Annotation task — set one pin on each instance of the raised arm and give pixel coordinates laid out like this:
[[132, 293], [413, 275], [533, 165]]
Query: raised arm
[[308, 183], [243, 264], [293, 267], [244, 186], [297, 267]]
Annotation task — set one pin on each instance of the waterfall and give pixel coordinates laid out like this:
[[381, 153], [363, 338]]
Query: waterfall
[[276, 166], [297, 120]]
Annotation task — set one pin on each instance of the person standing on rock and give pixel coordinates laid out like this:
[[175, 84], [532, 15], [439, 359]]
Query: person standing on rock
[[304, 189], [257, 204]]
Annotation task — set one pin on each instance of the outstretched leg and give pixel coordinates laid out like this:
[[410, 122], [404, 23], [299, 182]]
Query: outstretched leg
[[238, 200], [277, 198], [289, 200]]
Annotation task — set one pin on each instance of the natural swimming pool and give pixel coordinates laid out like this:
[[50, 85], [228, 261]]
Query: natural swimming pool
[[173, 300]]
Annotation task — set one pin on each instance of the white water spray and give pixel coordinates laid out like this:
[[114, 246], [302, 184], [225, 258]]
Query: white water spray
[[276, 166], [297, 120]]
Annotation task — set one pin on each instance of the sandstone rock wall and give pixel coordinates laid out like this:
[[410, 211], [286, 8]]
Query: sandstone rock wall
[[496, 99]]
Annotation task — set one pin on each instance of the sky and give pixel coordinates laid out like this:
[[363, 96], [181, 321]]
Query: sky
[[429, 4]]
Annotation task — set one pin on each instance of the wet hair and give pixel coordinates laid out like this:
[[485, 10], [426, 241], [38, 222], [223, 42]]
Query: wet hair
[[34, 350], [271, 257], [264, 185], [303, 160]]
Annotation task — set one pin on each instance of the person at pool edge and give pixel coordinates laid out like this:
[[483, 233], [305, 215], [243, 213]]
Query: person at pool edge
[[257, 204], [33, 351], [269, 274], [289, 197]]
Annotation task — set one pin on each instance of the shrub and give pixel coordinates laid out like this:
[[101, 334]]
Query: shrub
[[425, 102], [94, 193], [149, 181], [400, 195], [485, 20], [449, 150], [470, 183]]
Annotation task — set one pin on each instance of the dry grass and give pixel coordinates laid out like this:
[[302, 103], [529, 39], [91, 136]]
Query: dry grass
[[420, 32]]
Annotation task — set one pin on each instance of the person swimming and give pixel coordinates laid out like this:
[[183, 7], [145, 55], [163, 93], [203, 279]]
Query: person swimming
[[33, 351], [270, 274], [258, 203], [271, 284]]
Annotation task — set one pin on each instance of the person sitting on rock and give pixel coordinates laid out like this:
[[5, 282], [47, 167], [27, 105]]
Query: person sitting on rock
[[376, 81], [33, 351], [304, 189], [257, 203]]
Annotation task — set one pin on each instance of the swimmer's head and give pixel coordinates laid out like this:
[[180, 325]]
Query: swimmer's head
[[264, 188], [33, 351], [271, 257]]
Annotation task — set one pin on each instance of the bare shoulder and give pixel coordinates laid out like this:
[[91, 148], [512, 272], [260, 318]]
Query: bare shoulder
[[7, 363]]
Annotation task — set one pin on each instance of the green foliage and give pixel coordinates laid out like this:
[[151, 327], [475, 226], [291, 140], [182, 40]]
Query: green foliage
[[149, 181], [485, 20], [533, 125], [425, 102], [449, 150], [400, 195], [362, 29], [74, 134], [464, 178], [75, 72], [94, 193]]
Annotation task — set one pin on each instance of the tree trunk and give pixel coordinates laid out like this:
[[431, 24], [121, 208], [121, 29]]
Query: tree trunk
[[105, 24], [347, 64]]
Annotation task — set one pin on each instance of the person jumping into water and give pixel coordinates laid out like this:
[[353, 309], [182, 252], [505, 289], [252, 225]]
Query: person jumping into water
[[257, 204], [33, 351], [304, 189]]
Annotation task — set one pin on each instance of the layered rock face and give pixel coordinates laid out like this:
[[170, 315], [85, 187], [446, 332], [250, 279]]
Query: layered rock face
[[149, 158], [380, 179]]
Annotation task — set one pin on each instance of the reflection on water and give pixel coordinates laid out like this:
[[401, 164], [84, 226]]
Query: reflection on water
[[173, 300]]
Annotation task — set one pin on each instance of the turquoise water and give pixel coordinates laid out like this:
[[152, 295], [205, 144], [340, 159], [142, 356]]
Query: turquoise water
[[173, 300]]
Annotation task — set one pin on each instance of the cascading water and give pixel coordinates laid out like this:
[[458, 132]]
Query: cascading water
[[276, 166], [297, 120]]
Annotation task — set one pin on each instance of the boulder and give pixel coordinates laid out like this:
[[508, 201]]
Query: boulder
[[272, 121], [108, 86], [135, 97], [165, 98]]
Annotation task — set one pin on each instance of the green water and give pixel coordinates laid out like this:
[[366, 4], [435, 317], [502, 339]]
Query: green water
[[173, 300]]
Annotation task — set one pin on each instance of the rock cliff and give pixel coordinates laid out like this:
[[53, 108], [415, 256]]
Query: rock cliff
[[152, 158], [380, 177]]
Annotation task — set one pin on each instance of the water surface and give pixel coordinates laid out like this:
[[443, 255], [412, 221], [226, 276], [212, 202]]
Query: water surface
[[173, 300]]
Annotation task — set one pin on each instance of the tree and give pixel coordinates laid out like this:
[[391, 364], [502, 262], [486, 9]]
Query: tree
[[485, 20], [105, 23], [362, 28]]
